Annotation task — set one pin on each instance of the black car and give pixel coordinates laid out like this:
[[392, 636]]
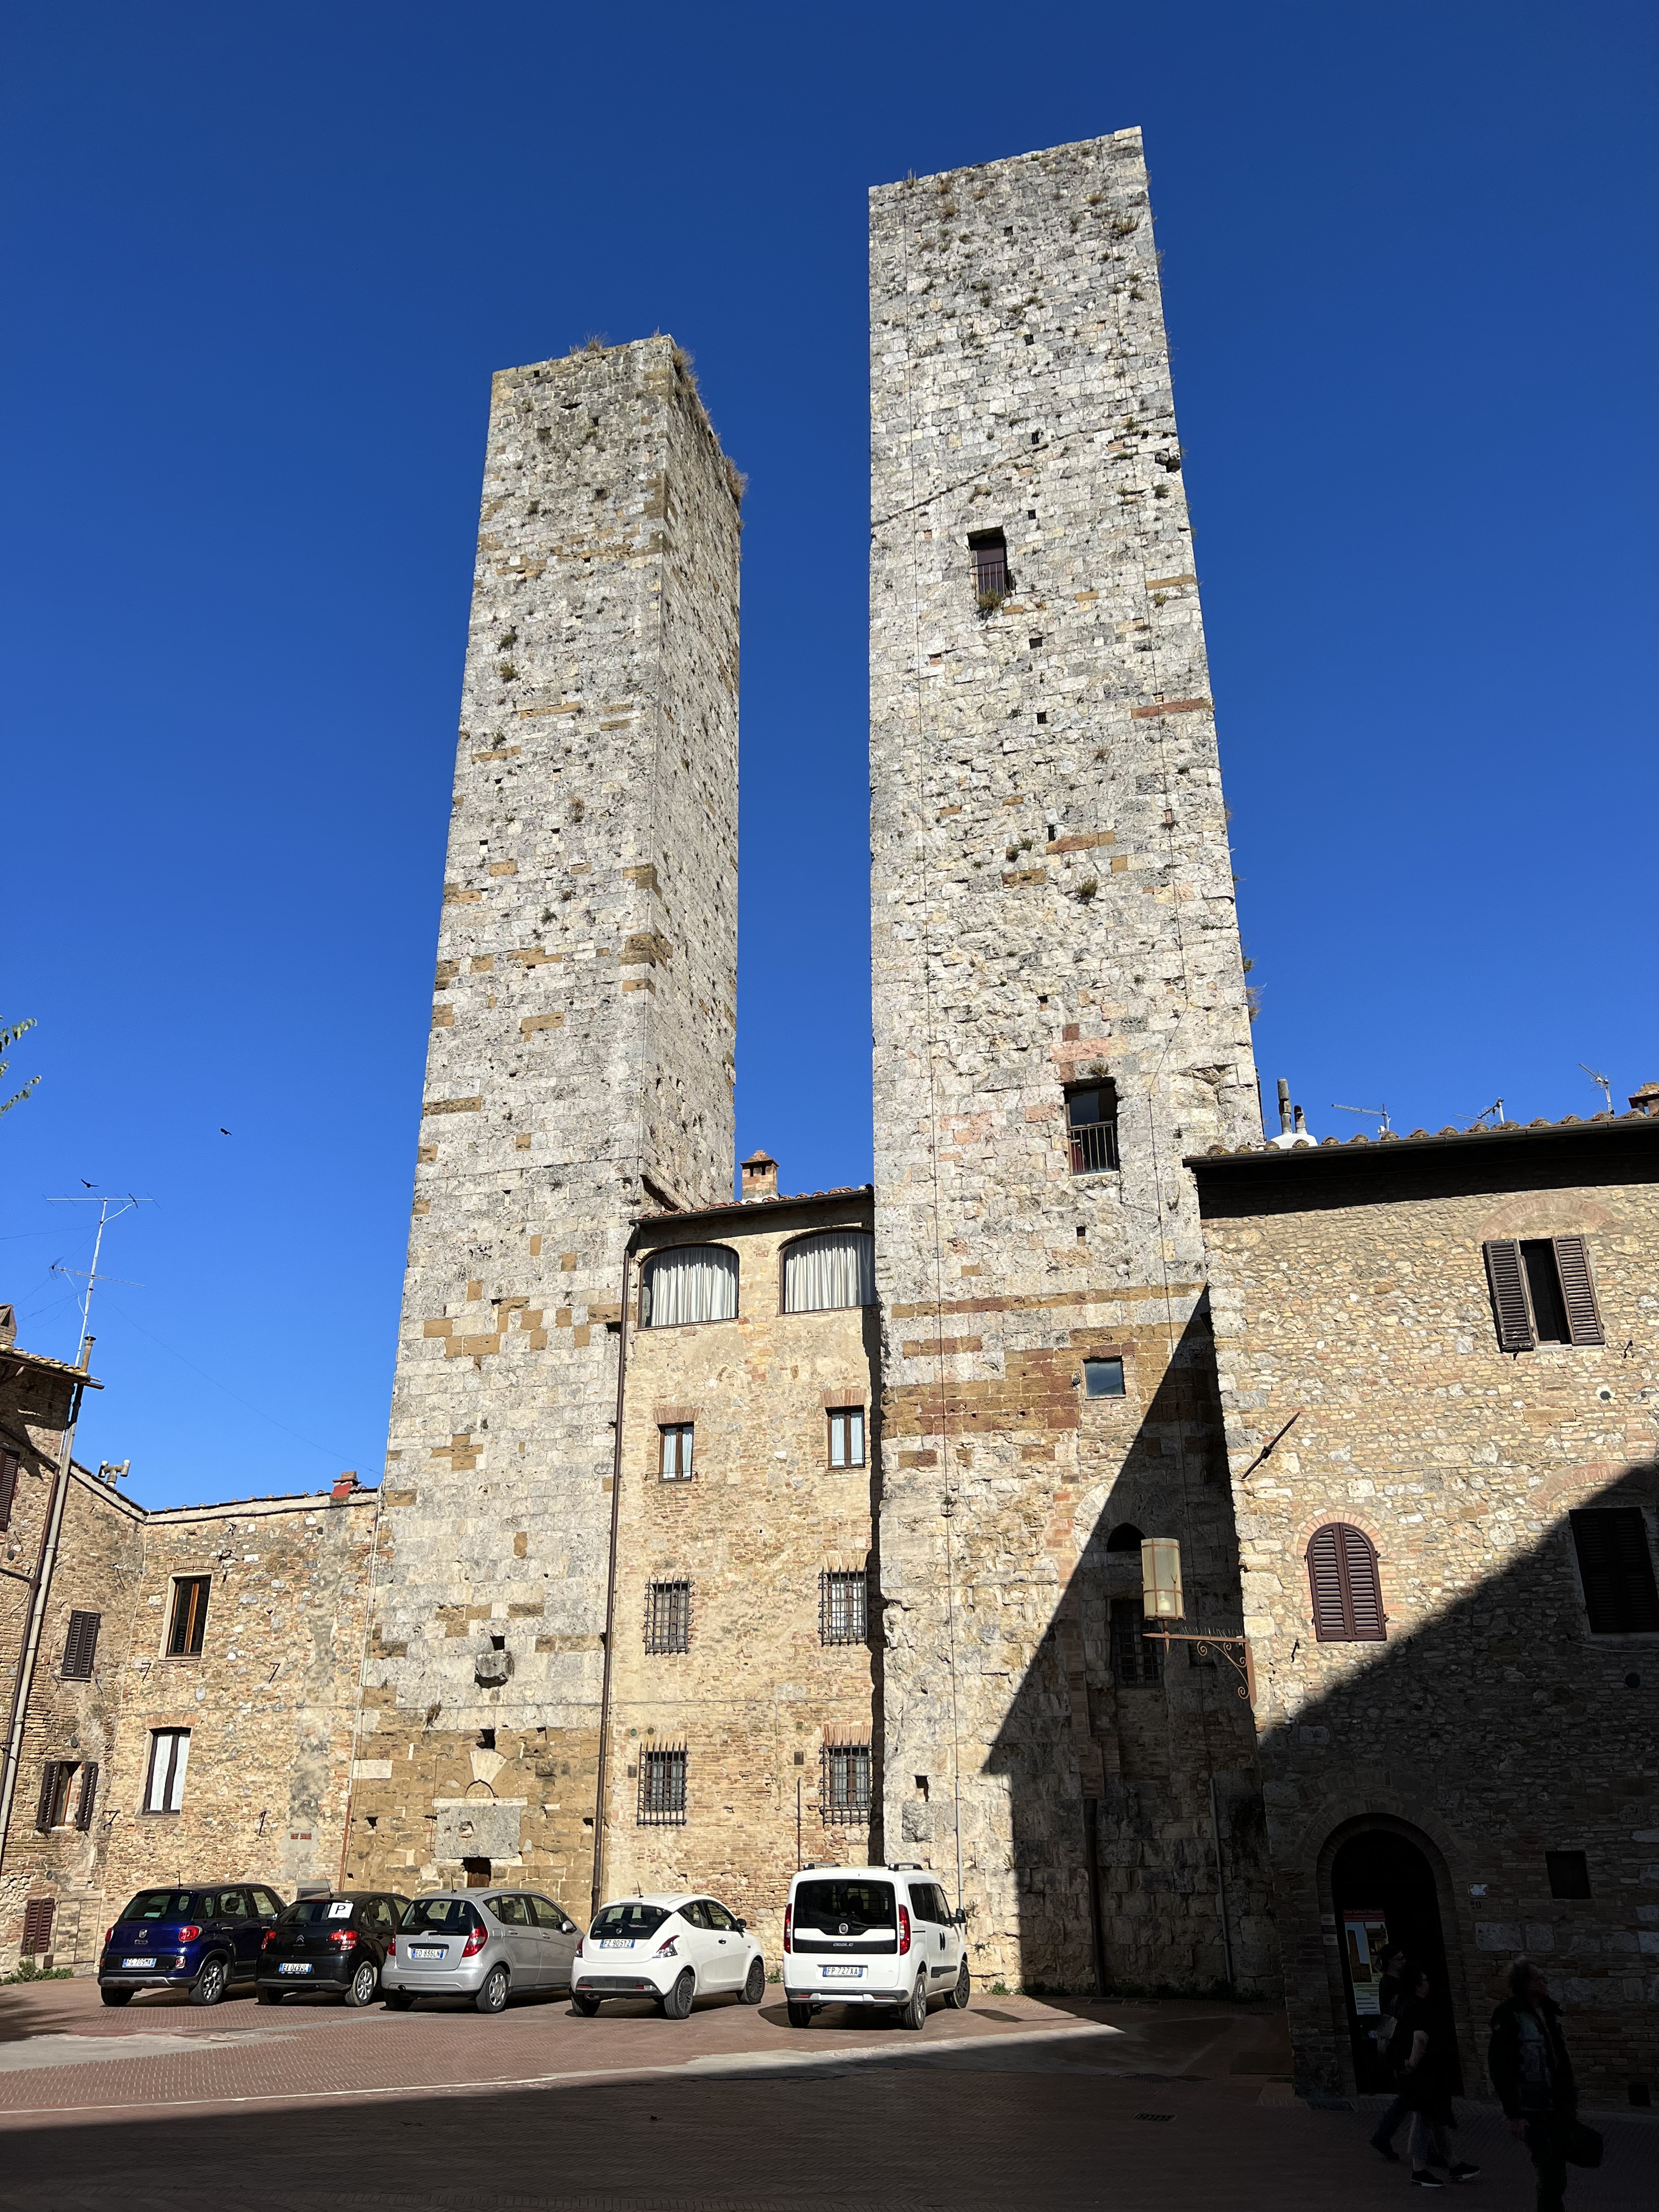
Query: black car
[[335, 1942], [201, 1936]]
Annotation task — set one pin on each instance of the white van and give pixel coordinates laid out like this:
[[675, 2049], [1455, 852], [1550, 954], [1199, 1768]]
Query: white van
[[871, 1935]]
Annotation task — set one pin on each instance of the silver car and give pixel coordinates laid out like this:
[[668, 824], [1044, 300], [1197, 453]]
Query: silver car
[[478, 1943]]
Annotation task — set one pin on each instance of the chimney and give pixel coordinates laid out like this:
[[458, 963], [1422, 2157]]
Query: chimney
[[1285, 1129], [759, 1177], [1645, 1100], [8, 1327], [343, 1486]]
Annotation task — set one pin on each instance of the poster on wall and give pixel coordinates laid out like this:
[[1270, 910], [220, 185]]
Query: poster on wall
[[1365, 1939]]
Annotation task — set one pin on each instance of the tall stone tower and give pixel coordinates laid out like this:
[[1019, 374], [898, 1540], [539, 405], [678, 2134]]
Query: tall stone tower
[[580, 1072], [1060, 1015]]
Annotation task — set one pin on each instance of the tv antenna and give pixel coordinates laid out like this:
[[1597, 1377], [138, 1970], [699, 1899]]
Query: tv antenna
[[1381, 1113], [1606, 1088], [109, 1209], [1485, 1116]]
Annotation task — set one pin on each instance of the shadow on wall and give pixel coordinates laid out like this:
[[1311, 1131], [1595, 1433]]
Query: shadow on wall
[[1163, 1747], [1488, 1784]]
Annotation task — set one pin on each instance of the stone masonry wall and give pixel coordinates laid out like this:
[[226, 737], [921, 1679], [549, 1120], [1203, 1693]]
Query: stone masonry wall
[[1051, 899], [580, 1072], [757, 1693], [1490, 1727]]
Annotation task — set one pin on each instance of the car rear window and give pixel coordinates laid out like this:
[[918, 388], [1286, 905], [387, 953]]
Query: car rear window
[[170, 1905], [442, 1915], [312, 1909], [625, 1922], [844, 1908]]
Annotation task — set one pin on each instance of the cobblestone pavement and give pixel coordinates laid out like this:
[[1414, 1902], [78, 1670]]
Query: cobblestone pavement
[[1015, 2103]]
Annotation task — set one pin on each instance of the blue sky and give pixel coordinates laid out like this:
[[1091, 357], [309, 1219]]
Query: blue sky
[[260, 263]]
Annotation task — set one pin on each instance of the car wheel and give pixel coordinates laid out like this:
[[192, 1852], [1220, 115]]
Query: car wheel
[[915, 2013], [755, 1988], [492, 1996], [398, 2000], [800, 2015], [958, 1995], [271, 1997], [585, 2006], [363, 1984], [211, 1984], [116, 1997], [677, 2003]]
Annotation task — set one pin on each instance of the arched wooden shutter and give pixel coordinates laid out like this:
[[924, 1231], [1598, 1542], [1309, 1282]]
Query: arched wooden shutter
[[1347, 1594]]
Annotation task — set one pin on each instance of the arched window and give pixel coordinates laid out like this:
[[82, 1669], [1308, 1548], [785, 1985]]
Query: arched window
[[837, 1267], [1126, 1537], [1347, 1595], [694, 1282]]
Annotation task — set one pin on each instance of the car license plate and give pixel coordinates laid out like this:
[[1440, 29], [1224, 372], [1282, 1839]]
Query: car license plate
[[294, 1967], [846, 1973], [414, 1953], [137, 1962], [616, 1943]]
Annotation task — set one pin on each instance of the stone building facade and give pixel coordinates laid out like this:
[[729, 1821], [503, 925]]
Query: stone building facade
[[1476, 1758], [1060, 1014]]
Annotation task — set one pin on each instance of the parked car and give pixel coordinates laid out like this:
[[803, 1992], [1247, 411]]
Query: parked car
[[674, 1949], [479, 1943], [337, 1943], [201, 1937], [871, 1935]]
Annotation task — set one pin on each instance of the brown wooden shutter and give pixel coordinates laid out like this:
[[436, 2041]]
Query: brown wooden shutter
[[48, 1792], [1616, 1569], [1509, 1295], [88, 1795], [1347, 1594], [7, 1485], [80, 1645], [1364, 1588], [38, 1916], [1573, 1264]]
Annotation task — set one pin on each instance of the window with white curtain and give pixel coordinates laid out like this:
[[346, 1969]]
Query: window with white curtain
[[696, 1282], [837, 1267]]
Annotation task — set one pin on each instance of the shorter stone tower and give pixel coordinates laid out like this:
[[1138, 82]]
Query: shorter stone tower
[[579, 1073]]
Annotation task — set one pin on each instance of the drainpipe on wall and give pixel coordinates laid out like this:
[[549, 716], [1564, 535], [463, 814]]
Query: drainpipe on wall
[[611, 1595], [1092, 1861], [23, 1687]]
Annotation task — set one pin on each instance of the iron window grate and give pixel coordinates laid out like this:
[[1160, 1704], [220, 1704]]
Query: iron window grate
[[668, 1617], [843, 1606], [1091, 1128], [662, 1788], [844, 1794]]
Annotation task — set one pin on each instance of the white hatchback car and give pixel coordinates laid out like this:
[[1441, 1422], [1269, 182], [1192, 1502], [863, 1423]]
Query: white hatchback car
[[674, 1949], [871, 1935]]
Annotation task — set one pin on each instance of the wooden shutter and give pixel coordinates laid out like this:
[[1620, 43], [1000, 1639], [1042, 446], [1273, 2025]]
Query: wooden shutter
[[7, 1485], [1616, 1569], [88, 1795], [80, 1645], [1572, 1265], [38, 1916], [1346, 1589], [1509, 1295], [48, 1793]]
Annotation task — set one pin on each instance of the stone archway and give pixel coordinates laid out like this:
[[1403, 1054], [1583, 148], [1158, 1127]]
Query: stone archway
[[1377, 1871]]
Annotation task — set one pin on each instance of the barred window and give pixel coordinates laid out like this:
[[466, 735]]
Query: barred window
[[845, 1794], [847, 1437], [668, 1617], [1092, 1126], [662, 1788], [1137, 1658], [988, 553], [843, 1606], [676, 1442]]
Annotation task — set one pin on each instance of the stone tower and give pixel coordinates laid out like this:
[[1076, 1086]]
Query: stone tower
[[1060, 1014], [579, 1073]]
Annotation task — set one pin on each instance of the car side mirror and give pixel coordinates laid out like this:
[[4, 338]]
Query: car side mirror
[[743, 1926], [960, 1916]]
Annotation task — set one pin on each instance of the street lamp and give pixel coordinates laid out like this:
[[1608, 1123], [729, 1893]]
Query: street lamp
[[1161, 1601]]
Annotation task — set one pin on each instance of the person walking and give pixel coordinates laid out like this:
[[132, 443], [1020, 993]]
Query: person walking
[[1533, 2075], [1427, 2071], [1391, 1995]]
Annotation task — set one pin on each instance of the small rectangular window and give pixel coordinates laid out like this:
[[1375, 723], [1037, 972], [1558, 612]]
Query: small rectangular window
[[843, 1606], [1103, 1378], [189, 1623], [1543, 1292], [847, 1437], [844, 1794], [1615, 1565], [662, 1789], [987, 550], [55, 1776], [1137, 1659], [38, 1915], [668, 1617], [676, 1451], [1092, 1126], [9, 1472], [81, 1646], [1569, 1874], [164, 1782]]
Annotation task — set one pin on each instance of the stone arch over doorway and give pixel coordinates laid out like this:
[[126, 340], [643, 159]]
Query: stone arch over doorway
[[1385, 1868]]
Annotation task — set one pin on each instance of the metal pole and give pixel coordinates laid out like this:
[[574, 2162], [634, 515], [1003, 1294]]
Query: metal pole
[[611, 1597], [1221, 1885], [1092, 1861]]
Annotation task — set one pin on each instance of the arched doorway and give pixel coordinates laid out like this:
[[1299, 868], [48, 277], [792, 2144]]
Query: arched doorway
[[1384, 1893]]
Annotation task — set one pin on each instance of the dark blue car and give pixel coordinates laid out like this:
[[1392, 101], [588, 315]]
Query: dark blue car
[[201, 1938]]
